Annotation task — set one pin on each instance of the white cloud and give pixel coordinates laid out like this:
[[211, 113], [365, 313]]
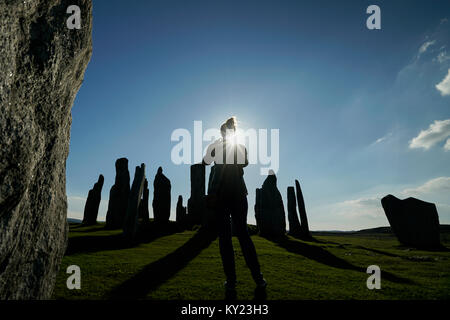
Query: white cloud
[[436, 191], [367, 212], [424, 47], [382, 139], [442, 57], [447, 145], [363, 207], [348, 215], [437, 132], [444, 85], [433, 186]]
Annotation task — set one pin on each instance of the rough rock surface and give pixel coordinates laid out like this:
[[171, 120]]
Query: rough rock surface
[[302, 211], [42, 68], [93, 202], [161, 197], [196, 203], [118, 196], [413, 221], [131, 225], [269, 209], [294, 223]]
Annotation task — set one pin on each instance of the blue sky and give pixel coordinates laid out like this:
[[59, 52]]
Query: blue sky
[[361, 113]]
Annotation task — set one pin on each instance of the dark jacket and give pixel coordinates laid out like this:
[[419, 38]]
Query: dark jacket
[[227, 174]]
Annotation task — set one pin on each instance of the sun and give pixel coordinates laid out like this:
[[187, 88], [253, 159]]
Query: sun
[[234, 138]]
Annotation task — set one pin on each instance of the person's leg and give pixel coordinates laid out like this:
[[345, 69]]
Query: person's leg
[[239, 215], [226, 245]]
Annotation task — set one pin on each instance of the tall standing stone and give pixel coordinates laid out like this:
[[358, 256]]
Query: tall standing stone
[[118, 196], [270, 214], [131, 224], [302, 211], [257, 207], [93, 202], [144, 214], [196, 203], [294, 223], [181, 212], [413, 221], [161, 197], [42, 67]]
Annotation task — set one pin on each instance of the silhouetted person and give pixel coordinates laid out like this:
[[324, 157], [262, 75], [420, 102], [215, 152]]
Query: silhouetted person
[[228, 189]]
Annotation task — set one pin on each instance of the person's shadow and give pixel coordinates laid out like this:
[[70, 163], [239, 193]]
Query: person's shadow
[[158, 272]]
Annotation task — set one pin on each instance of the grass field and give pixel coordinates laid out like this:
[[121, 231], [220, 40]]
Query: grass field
[[185, 265]]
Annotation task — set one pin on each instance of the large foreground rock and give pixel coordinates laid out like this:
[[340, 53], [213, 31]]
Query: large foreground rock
[[413, 221], [42, 67]]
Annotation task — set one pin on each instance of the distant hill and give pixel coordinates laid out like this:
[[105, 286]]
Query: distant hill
[[72, 220], [383, 230], [444, 228]]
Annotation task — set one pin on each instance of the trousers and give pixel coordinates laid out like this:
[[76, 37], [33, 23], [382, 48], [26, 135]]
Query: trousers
[[235, 209]]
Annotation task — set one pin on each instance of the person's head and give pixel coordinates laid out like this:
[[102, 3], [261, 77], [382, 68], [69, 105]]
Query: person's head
[[228, 126]]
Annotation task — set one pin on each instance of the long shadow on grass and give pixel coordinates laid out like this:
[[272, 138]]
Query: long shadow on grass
[[88, 244], [158, 272], [88, 229], [323, 256], [380, 252]]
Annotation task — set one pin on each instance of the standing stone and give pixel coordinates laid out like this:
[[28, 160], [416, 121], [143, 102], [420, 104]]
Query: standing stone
[[269, 213], [294, 223], [161, 197], [209, 221], [413, 221], [144, 214], [302, 211], [257, 207], [93, 202], [118, 196], [181, 212], [196, 203], [42, 68], [131, 224]]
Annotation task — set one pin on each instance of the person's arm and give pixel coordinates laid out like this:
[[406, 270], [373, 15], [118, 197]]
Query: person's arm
[[244, 151], [209, 156], [246, 157]]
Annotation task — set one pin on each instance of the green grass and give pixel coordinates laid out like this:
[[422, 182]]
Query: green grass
[[183, 265]]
